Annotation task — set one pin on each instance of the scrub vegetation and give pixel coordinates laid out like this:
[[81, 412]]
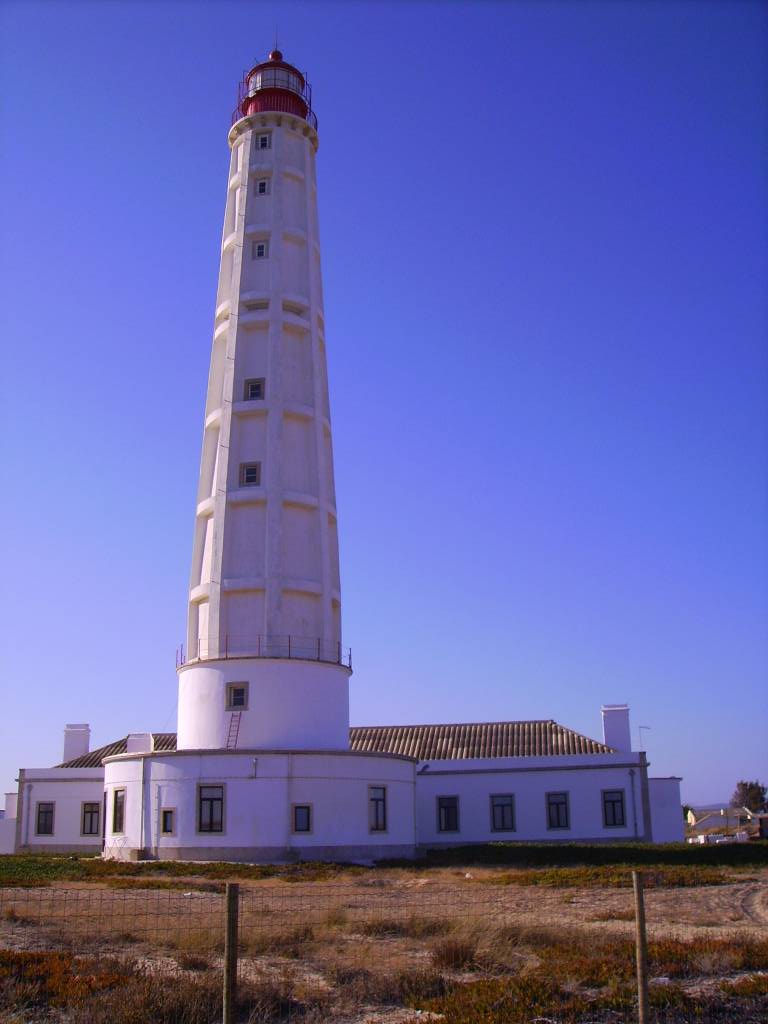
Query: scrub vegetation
[[89, 942], [578, 863]]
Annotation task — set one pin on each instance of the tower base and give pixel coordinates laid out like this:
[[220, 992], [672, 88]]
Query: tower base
[[352, 806], [277, 703]]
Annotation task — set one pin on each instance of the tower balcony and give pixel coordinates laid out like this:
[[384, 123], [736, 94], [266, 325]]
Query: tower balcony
[[275, 86], [295, 648]]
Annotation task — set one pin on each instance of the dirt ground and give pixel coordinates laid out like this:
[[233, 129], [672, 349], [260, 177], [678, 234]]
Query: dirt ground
[[304, 930]]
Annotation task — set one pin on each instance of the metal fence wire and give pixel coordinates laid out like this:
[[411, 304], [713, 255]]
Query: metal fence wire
[[317, 930], [272, 918]]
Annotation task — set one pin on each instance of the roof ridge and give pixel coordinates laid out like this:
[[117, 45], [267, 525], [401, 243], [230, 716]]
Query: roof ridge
[[466, 725]]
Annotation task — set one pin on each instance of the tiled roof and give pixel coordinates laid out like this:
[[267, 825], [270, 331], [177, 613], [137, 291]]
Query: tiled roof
[[93, 759], [482, 739], [425, 742]]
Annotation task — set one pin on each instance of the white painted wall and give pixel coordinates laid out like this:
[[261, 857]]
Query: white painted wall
[[667, 825], [67, 789], [265, 558], [336, 785], [529, 780], [291, 703], [260, 788], [7, 835]]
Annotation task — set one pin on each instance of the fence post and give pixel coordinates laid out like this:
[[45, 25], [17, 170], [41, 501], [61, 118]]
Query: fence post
[[641, 949], [231, 906]]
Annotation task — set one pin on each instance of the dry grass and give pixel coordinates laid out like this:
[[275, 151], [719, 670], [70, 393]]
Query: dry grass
[[454, 954], [619, 876], [448, 941], [412, 927], [193, 962], [291, 941]]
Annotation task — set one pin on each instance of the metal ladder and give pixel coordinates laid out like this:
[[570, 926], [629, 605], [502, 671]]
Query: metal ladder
[[234, 729]]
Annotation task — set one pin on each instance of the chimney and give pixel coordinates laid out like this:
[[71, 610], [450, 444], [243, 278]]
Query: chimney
[[138, 743], [77, 741], [616, 727]]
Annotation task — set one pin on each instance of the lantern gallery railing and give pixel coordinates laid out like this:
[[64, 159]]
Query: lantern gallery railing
[[275, 81], [302, 648]]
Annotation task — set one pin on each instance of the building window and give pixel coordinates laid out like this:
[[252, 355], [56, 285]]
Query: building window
[[264, 141], [613, 808], [377, 808], [167, 821], [557, 810], [90, 822], [250, 474], [44, 824], [118, 810], [503, 812], [261, 187], [259, 249], [237, 696], [302, 818], [254, 389], [210, 817], [447, 814]]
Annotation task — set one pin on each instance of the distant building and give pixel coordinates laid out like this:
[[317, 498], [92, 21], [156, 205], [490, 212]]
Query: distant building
[[265, 765]]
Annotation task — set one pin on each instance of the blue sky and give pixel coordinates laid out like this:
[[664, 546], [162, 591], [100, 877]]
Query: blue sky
[[544, 257]]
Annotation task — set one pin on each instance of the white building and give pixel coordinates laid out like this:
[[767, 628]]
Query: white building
[[265, 765]]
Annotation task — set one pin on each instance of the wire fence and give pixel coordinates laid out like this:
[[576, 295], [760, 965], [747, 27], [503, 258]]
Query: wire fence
[[272, 918]]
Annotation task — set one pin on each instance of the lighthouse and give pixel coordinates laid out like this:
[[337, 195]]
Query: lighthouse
[[263, 661], [263, 767]]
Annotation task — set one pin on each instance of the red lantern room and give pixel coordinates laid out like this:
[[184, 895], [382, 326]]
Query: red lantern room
[[275, 85]]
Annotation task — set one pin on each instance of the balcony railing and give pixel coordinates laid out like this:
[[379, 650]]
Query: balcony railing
[[275, 79], [299, 648]]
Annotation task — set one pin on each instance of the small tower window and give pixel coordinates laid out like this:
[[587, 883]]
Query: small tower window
[[264, 141], [118, 811], [254, 389], [250, 474], [302, 817], [260, 250], [167, 823], [237, 696], [210, 809], [447, 814], [261, 187], [377, 809]]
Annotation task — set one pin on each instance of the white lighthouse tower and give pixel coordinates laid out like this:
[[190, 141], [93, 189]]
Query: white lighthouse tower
[[263, 766], [263, 662]]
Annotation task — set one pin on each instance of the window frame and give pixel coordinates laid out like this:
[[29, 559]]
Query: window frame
[[258, 144], [97, 805], [163, 830], [257, 182], [373, 811], [255, 243], [244, 467], [199, 808], [120, 791], [622, 793], [261, 381], [231, 687], [309, 808], [48, 804], [503, 828], [439, 808], [567, 803]]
